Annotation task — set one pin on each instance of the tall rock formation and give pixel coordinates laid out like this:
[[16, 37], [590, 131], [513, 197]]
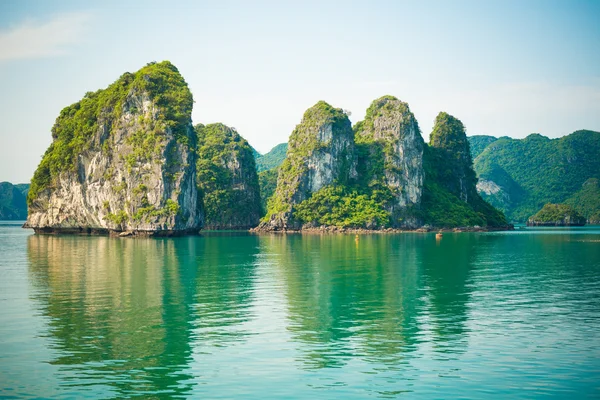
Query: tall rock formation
[[449, 137], [391, 157], [121, 159], [320, 153], [227, 178], [384, 176], [450, 196]]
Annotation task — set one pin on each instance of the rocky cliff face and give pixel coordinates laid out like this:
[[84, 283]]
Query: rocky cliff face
[[121, 160], [450, 196], [227, 178], [320, 153], [449, 137], [382, 177], [392, 156]]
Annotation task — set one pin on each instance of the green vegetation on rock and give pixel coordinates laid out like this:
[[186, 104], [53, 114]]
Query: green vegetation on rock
[[594, 219], [441, 207], [122, 158], [587, 200], [342, 207], [391, 186], [77, 124], [519, 176], [390, 150], [556, 215], [450, 197], [273, 159], [478, 143], [227, 179], [320, 153], [267, 181], [455, 166]]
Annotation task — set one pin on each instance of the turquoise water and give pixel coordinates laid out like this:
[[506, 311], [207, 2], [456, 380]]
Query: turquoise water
[[473, 315]]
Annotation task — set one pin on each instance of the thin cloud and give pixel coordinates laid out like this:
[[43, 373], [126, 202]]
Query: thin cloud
[[35, 39]]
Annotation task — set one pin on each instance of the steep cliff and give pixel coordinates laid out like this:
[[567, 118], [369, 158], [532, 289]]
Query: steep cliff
[[450, 196], [320, 154], [121, 159], [449, 140], [382, 177], [390, 149], [227, 179]]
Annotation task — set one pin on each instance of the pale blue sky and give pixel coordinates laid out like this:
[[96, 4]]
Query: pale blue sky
[[502, 67]]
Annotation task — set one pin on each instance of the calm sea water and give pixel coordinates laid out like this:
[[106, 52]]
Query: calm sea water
[[511, 315]]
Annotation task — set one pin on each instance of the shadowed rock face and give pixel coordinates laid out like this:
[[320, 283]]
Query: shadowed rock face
[[391, 130], [320, 153], [449, 137], [121, 160], [227, 178]]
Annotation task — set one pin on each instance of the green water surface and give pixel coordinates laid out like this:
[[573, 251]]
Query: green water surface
[[235, 315]]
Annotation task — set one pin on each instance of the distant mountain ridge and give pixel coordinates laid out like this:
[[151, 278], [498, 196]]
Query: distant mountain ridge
[[519, 176], [13, 201], [272, 159]]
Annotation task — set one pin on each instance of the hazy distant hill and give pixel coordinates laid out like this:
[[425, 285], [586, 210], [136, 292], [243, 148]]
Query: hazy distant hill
[[272, 159], [13, 201], [519, 176], [478, 143], [23, 188]]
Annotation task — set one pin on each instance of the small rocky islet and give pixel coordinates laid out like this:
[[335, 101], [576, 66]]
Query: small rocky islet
[[127, 160], [556, 215]]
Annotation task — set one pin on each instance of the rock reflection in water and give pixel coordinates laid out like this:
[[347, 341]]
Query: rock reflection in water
[[128, 313]]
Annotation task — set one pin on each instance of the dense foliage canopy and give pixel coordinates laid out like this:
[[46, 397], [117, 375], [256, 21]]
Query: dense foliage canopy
[[267, 181], [226, 177], [272, 159], [442, 207], [538, 170], [478, 143], [557, 214], [587, 200], [342, 207], [449, 197]]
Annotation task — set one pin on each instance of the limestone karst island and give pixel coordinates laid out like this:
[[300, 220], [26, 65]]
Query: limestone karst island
[[127, 160], [266, 200]]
